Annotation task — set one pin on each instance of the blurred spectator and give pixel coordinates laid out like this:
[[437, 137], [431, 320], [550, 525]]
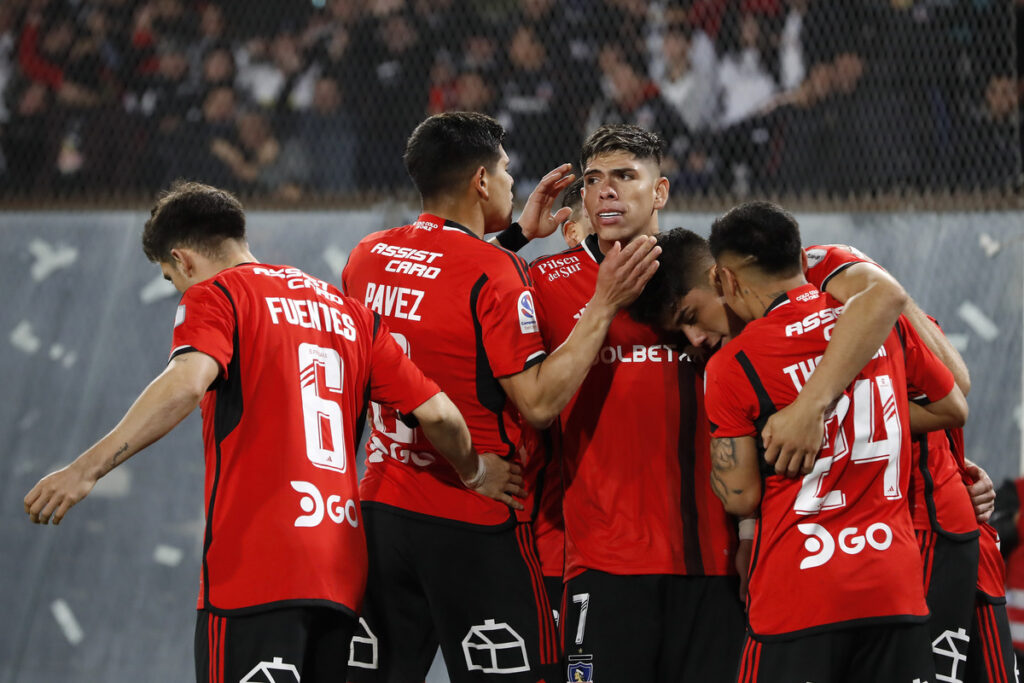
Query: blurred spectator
[[634, 98], [329, 139], [259, 162], [991, 143], [275, 74], [394, 63], [529, 109], [210, 35], [689, 90], [745, 72], [29, 151], [45, 55], [474, 93]]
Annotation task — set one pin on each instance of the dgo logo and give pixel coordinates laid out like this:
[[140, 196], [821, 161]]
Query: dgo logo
[[822, 546], [314, 506]]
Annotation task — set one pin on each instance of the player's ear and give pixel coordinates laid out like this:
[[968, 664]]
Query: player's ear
[[480, 183], [715, 279], [803, 260], [661, 193], [183, 261]]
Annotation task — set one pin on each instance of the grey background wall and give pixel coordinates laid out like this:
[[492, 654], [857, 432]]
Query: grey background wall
[[85, 324]]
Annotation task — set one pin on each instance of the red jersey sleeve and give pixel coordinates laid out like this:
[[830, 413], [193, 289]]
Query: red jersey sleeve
[[825, 261], [509, 327], [394, 380], [927, 376], [728, 398], [205, 321]]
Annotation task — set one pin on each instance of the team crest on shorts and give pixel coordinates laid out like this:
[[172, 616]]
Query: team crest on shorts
[[527, 314], [581, 669]]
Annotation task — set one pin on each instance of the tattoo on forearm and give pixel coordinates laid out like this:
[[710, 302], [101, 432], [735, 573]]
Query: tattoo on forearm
[[118, 456], [723, 454]]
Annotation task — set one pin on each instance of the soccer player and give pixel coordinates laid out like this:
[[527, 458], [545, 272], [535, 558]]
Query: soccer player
[[944, 521], [649, 551], [577, 226], [448, 565], [282, 366], [858, 610]]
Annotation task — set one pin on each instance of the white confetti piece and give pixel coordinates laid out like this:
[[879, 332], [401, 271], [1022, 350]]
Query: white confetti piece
[[989, 245], [69, 359], [156, 289], [24, 339], [336, 259], [978, 321], [168, 555], [50, 258], [67, 622]]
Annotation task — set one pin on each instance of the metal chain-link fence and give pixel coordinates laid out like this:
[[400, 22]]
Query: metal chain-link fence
[[297, 100]]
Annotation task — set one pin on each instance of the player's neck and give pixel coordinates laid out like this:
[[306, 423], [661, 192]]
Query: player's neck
[[762, 295], [466, 214]]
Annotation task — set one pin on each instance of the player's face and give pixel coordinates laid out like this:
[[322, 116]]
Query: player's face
[[701, 316], [499, 203], [621, 195]]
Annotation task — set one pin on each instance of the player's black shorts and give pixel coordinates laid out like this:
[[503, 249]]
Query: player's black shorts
[[892, 653], [950, 580], [654, 627], [554, 588], [478, 593], [990, 657], [282, 645]]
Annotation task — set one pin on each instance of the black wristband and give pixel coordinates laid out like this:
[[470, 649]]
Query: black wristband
[[512, 238]]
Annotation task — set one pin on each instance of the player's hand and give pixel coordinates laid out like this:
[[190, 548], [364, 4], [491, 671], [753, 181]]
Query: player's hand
[[982, 492], [625, 271], [792, 439], [743, 552], [55, 493], [498, 479], [537, 219]]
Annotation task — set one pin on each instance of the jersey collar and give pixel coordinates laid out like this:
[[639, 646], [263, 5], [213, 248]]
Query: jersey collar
[[789, 296], [592, 247]]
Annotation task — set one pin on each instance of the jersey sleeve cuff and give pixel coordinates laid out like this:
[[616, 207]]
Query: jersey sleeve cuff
[[512, 238]]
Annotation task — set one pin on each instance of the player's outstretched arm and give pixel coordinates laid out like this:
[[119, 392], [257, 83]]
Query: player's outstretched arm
[[163, 404], [937, 342], [949, 413], [486, 473], [735, 478], [542, 391], [873, 302]]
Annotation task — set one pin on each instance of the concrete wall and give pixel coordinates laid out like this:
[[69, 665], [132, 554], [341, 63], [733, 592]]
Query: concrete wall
[[85, 324]]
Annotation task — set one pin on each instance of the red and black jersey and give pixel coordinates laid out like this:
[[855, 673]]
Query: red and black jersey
[[298, 362], [840, 537], [635, 465], [938, 499], [542, 466], [463, 310]]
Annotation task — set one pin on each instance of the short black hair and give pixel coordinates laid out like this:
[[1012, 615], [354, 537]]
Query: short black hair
[[623, 137], [194, 215], [683, 264], [445, 149], [763, 230]]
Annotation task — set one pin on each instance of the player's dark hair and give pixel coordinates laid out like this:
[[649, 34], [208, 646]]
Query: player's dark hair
[[445, 149], [763, 230], [572, 197], [623, 137], [683, 264], [192, 215]]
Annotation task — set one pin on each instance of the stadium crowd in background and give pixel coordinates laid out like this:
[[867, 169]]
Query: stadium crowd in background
[[287, 100]]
